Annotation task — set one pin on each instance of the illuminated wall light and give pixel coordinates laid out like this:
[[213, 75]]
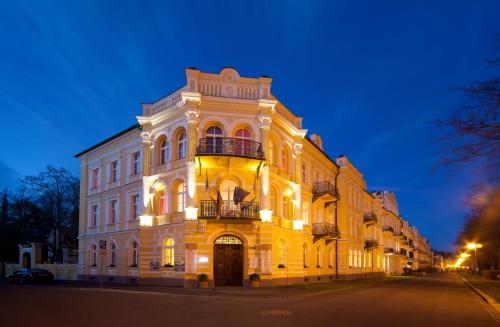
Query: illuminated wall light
[[191, 213], [298, 224], [265, 180], [203, 259], [146, 220], [266, 216], [191, 183]]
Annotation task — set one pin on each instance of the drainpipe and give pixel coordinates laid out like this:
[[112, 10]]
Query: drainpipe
[[336, 226]]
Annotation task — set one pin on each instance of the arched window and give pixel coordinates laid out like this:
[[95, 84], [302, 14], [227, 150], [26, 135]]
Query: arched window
[[305, 212], [243, 146], [318, 257], [281, 254], [113, 255], [93, 255], [304, 255], [162, 204], [182, 145], [284, 159], [287, 208], [330, 257], [181, 197], [274, 198], [169, 258], [304, 173], [164, 151], [214, 141], [134, 255]]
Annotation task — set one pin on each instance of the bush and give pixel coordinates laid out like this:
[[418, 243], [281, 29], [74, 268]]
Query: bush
[[202, 277], [254, 277]]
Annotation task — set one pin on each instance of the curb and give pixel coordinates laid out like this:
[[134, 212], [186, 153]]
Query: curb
[[488, 299]]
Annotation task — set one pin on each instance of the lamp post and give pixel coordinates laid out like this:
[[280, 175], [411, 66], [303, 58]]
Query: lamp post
[[474, 246]]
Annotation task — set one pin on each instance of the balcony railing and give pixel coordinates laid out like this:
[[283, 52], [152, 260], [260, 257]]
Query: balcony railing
[[370, 244], [370, 218], [229, 146], [246, 210], [389, 250], [403, 252], [324, 188], [398, 234], [325, 230], [388, 229]]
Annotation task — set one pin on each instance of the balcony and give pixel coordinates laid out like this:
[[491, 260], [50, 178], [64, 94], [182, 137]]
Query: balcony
[[389, 251], [370, 218], [388, 229], [398, 234], [245, 211], [325, 230], [370, 244], [230, 146], [326, 190], [403, 252]]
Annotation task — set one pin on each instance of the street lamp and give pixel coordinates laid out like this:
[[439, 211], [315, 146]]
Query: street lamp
[[474, 246]]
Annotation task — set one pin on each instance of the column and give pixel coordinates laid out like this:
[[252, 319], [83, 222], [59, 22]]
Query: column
[[146, 219], [298, 223], [265, 197]]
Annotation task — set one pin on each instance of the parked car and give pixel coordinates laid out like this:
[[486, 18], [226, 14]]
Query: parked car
[[30, 275]]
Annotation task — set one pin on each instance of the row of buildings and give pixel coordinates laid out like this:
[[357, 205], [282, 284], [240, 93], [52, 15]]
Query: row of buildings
[[220, 178]]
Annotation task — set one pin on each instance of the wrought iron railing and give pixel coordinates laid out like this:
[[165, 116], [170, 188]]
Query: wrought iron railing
[[370, 217], [322, 188], [245, 209], [388, 250], [325, 230], [403, 252], [370, 243], [388, 229], [230, 146]]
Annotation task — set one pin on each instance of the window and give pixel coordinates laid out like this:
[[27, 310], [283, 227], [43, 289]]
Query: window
[[286, 207], [304, 173], [93, 255], [134, 202], [350, 258], [243, 146], [113, 255], [274, 207], [304, 255], [135, 254], [113, 171], [214, 141], [271, 152], [112, 211], [136, 164], [281, 254], [182, 145], [330, 258], [162, 208], [95, 178], [164, 151], [318, 257], [284, 159], [94, 212], [169, 252], [181, 196], [305, 212]]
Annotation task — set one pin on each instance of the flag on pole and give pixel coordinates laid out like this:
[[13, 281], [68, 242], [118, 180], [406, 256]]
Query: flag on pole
[[248, 204], [218, 209], [239, 195]]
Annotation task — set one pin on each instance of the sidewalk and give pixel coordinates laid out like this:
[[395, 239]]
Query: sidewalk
[[488, 289]]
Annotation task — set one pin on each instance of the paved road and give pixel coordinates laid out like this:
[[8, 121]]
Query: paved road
[[433, 301]]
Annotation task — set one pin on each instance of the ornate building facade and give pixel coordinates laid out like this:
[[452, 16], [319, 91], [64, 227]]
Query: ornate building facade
[[219, 178]]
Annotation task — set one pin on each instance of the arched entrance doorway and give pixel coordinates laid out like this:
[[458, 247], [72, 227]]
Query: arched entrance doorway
[[26, 260], [228, 261]]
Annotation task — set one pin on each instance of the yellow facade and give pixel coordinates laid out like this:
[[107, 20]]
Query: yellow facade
[[162, 195]]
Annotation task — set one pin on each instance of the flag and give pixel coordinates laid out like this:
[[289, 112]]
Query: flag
[[248, 204], [239, 195], [219, 205]]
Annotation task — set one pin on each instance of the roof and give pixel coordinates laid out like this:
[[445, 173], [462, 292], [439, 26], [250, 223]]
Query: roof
[[321, 150], [131, 128]]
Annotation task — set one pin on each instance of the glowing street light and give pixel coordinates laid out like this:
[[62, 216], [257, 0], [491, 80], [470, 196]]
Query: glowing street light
[[474, 246]]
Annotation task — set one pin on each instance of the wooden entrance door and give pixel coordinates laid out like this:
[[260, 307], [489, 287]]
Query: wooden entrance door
[[228, 264]]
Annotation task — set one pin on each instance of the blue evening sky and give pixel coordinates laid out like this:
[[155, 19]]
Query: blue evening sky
[[368, 76]]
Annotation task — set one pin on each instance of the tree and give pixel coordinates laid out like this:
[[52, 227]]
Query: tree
[[475, 125], [57, 193]]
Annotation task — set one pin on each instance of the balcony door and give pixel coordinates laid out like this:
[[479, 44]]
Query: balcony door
[[226, 189], [228, 261], [214, 140]]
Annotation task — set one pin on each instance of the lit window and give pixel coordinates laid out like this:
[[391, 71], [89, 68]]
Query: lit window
[[304, 255], [162, 208], [95, 177], [182, 145], [135, 254], [350, 258], [214, 141], [136, 164], [243, 146], [181, 197], [169, 252], [305, 212], [318, 257], [284, 159], [114, 171], [134, 202], [286, 207]]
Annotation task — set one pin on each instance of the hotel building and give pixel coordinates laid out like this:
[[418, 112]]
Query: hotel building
[[220, 178]]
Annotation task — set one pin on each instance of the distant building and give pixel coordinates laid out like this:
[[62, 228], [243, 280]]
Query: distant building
[[219, 178]]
